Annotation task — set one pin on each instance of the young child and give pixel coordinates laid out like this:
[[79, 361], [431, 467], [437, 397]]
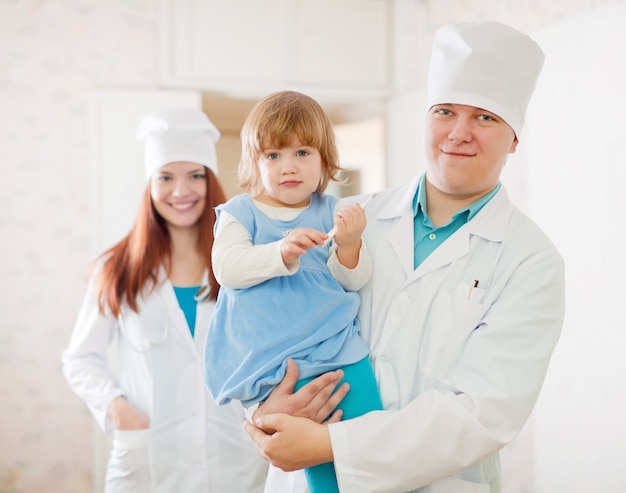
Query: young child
[[287, 292]]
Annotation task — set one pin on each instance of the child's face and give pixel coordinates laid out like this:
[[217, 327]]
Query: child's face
[[289, 174]]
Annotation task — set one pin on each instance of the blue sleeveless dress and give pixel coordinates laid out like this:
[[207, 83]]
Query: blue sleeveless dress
[[307, 316]]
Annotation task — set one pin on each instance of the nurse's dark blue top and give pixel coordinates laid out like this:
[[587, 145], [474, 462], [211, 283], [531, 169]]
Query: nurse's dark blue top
[[307, 316]]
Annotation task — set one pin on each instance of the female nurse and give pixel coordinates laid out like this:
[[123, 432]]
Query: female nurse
[[152, 295]]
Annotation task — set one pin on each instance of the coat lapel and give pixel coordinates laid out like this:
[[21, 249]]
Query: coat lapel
[[490, 223], [397, 210], [179, 330]]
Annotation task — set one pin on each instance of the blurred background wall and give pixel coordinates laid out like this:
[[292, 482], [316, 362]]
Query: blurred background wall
[[58, 56]]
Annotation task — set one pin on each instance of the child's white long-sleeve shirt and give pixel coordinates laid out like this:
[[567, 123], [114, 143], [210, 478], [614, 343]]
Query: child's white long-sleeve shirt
[[237, 263]]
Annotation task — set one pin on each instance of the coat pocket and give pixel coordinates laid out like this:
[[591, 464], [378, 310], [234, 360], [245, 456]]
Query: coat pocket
[[128, 469], [454, 485], [467, 307], [453, 317], [130, 439]]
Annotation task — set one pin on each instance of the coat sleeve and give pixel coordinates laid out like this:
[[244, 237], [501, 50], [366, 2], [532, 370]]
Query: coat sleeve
[[480, 406], [85, 360]]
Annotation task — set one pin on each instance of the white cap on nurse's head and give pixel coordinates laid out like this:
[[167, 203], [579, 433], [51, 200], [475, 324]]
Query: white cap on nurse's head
[[177, 134], [485, 64]]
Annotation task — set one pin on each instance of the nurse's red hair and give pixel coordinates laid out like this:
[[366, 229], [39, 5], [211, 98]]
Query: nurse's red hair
[[133, 262]]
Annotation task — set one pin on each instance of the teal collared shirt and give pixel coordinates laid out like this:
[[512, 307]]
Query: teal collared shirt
[[426, 238]]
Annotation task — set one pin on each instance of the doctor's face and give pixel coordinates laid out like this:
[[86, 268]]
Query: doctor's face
[[466, 148], [178, 193]]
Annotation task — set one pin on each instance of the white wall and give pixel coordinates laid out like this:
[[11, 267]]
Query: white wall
[[577, 176], [55, 52]]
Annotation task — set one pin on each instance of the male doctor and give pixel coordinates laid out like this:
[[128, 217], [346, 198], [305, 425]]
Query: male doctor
[[465, 304]]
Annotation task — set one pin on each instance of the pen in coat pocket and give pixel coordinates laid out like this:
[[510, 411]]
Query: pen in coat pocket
[[474, 285]]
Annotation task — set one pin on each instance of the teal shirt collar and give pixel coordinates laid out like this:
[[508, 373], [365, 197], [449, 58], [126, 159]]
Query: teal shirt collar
[[419, 203]]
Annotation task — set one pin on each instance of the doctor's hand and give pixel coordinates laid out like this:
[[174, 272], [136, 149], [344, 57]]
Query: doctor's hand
[[315, 400], [289, 442], [125, 416]]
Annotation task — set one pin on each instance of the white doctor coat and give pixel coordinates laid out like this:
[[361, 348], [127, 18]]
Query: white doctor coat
[[459, 368], [192, 445]]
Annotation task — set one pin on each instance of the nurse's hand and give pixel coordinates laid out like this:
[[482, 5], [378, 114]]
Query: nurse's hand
[[125, 416], [315, 400], [291, 443]]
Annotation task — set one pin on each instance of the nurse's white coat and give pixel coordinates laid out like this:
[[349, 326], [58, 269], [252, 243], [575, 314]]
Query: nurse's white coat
[[193, 445]]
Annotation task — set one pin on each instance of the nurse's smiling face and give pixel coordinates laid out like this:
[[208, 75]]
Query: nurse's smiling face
[[178, 193], [466, 149]]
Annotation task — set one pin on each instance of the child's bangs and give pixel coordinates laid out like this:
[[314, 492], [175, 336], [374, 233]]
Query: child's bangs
[[285, 132]]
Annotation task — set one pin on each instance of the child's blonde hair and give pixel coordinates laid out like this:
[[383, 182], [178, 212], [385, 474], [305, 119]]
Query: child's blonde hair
[[276, 121]]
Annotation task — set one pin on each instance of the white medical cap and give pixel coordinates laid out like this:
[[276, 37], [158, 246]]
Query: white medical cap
[[485, 64], [177, 134]]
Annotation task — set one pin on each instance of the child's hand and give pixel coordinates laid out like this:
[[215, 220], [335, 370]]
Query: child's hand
[[298, 241], [350, 223]]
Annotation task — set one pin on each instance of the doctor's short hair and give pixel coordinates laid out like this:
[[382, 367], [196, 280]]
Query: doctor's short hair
[[276, 121]]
